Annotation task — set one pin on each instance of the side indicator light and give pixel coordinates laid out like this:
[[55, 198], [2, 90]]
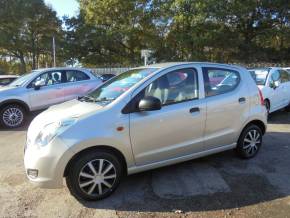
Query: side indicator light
[[120, 128]]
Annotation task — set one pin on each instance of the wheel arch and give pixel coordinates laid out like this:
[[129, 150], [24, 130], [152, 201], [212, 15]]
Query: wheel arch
[[15, 101], [107, 148], [258, 123]]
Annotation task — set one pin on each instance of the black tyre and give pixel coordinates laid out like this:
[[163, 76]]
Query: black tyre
[[12, 116], [94, 175], [267, 105], [287, 108], [250, 141]]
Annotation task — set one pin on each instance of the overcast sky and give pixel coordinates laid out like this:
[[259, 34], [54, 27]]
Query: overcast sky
[[64, 7]]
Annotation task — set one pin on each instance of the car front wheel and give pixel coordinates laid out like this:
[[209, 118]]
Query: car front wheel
[[12, 116], [94, 175], [250, 141]]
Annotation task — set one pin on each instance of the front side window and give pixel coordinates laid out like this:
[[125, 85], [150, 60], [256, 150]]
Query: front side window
[[227, 80], [49, 78], [174, 87], [74, 76], [118, 85]]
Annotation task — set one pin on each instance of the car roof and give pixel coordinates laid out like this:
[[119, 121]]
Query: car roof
[[172, 64], [61, 68], [8, 76], [266, 68]]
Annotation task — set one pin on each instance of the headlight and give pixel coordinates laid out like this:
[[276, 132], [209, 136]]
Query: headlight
[[51, 130]]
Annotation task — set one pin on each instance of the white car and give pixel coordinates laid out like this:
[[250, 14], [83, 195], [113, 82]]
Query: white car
[[41, 89], [145, 118], [274, 83]]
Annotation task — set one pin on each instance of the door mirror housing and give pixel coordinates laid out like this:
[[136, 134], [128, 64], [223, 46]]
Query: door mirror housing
[[38, 84], [149, 103], [274, 84]]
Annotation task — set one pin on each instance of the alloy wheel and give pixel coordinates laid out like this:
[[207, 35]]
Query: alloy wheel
[[97, 177], [12, 116], [252, 141]]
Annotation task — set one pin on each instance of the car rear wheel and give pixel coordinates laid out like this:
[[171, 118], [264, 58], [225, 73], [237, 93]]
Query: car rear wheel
[[12, 116], [94, 175], [288, 108], [250, 141]]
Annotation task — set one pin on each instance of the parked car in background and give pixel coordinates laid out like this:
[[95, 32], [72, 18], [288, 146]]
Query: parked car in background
[[145, 118], [106, 77], [274, 83], [7, 79], [287, 69], [40, 89]]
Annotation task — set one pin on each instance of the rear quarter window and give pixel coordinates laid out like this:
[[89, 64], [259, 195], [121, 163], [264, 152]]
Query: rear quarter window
[[219, 80]]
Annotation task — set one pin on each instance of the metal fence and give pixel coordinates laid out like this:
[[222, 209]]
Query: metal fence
[[113, 70]]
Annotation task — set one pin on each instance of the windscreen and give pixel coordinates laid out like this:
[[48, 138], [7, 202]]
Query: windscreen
[[115, 87]]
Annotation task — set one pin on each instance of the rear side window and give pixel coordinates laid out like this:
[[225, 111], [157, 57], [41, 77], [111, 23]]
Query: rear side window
[[219, 81], [75, 75], [276, 76], [5, 81], [284, 76]]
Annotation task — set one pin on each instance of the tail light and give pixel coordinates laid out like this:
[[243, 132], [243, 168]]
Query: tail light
[[261, 97]]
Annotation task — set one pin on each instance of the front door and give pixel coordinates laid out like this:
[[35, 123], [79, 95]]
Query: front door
[[50, 93], [277, 93], [177, 129]]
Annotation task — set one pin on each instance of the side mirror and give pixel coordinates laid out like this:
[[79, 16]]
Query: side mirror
[[274, 84], [149, 103], [39, 84]]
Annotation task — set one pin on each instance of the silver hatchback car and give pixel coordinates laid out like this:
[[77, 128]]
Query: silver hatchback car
[[145, 118], [41, 89]]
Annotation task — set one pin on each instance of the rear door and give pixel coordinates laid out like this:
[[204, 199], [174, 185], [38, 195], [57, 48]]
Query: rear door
[[177, 129], [226, 106], [78, 83], [49, 94]]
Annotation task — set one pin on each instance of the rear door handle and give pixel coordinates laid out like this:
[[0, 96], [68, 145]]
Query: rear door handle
[[242, 100], [194, 109]]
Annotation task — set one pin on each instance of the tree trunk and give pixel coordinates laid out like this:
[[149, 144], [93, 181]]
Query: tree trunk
[[23, 64]]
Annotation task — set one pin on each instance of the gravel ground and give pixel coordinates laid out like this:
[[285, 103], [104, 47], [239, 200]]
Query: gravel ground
[[221, 185]]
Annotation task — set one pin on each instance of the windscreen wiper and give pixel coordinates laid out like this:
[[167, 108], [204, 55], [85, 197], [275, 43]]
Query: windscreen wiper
[[86, 98]]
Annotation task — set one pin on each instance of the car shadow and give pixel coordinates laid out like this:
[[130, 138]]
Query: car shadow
[[279, 117]]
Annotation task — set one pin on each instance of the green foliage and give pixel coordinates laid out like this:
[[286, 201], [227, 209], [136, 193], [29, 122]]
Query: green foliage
[[26, 30], [223, 31]]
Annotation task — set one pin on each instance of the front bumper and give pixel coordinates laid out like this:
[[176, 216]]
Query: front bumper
[[49, 162]]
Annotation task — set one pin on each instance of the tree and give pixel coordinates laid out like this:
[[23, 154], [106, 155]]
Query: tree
[[26, 30]]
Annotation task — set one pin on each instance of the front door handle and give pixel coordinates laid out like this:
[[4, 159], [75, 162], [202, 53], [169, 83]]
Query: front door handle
[[242, 100], [194, 109]]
